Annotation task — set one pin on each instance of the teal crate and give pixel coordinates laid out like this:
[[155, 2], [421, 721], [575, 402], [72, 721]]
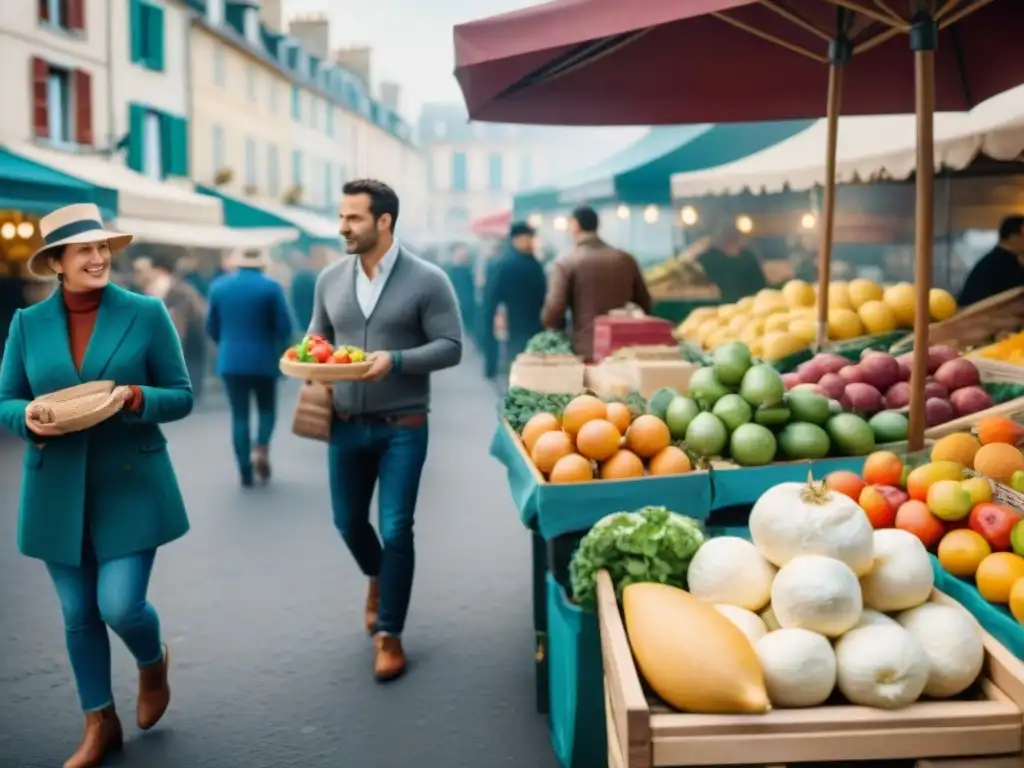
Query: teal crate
[[575, 683]]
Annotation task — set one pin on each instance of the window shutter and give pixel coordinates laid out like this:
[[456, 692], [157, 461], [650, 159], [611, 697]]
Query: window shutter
[[76, 14], [136, 129], [83, 108], [40, 98], [174, 132], [43, 7], [135, 31], [155, 32]]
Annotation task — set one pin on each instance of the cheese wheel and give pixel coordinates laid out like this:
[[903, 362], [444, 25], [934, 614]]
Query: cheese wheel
[[691, 655]]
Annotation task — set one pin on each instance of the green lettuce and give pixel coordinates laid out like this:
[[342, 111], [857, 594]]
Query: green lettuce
[[651, 544]]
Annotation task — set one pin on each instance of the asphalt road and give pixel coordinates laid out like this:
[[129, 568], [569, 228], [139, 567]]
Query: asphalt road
[[262, 607]]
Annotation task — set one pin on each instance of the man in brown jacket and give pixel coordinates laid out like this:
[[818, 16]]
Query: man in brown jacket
[[591, 280]]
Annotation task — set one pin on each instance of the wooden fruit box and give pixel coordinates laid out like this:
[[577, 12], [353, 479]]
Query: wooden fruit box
[[549, 374], [643, 733]]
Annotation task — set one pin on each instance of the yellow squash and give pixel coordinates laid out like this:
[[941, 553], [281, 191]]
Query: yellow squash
[[691, 655]]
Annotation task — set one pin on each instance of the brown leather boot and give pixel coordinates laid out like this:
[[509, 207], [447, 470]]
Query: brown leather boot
[[261, 463], [154, 692], [102, 736], [372, 610], [389, 659]]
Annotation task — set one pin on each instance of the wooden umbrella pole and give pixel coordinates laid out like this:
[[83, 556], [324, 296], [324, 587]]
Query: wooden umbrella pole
[[835, 95], [924, 230]]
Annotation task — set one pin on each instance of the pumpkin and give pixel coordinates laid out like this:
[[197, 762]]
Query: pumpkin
[[538, 424], [621, 466], [647, 435], [694, 657], [670, 461], [580, 410], [598, 439], [619, 415], [572, 468], [549, 448]]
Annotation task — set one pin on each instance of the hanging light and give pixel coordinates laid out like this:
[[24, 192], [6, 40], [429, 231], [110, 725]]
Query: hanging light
[[688, 215], [808, 221], [651, 214], [26, 229], [745, 224], [8, 231], [535, 220], [561, 223], [623, 212]]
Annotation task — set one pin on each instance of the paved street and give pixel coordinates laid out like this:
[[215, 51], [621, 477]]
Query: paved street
[[262, 608]]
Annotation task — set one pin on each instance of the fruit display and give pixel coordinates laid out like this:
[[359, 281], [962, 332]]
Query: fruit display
[[316, 349], [818, 608], [549, 343], [779, 323], [739, 409], [1008, 350], [950, 505]]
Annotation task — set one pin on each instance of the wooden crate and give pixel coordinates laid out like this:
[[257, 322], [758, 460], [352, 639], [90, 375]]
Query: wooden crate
[[977, 324], [549, 374], [642, 733]]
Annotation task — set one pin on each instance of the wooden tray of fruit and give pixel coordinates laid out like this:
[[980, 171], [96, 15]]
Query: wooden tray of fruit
[[316, 359]]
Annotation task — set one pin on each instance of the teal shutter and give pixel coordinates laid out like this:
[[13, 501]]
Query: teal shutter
[[136, 119], [155, 34], [136, 29], [174, 145]]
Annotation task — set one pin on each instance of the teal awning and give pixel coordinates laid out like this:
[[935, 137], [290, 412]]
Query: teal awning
[[32, 187], [315, 229], [641, 173]]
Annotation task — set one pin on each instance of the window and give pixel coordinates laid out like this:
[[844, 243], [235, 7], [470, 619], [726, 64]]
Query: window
[[329, 120], [296, 168], [215, 12], [314, 112], [495, 166], [251, 26], [328, 184], [152, 164], [273, 172], [220, 75], [68, 15], [296, 103], [440, 129], [250, 164], [219, 149], [147, 35], [250, 82], [460, 175], [61, 104], [274, 96]]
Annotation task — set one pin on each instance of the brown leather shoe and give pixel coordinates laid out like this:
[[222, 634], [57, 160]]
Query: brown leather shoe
[[154, 692], [261, 463], [389, 659], [102, 736], [372, 610]]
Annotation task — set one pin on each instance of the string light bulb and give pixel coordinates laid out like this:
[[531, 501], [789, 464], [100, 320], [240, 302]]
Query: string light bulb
[[745, 224], [688, 215]]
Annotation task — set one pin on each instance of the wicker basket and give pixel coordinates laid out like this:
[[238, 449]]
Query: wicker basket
[[79, 407], [324, 372]]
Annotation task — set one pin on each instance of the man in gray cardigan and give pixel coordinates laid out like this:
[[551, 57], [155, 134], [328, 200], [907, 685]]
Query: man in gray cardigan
[[402, 310]]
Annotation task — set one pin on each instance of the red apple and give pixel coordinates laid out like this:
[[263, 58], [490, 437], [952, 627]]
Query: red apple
[[994, 522]]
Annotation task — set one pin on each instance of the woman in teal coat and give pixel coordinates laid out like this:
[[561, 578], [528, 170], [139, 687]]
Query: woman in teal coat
[[95, 505]]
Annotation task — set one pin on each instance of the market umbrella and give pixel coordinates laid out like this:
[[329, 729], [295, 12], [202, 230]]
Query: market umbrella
[[492, 225], [585, 62]]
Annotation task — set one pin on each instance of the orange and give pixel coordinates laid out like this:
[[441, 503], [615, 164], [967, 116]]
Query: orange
[[960, 447], [998, 461], [619, 415], [1017, 600], [622, 466], [580, 410], [572, 469], [538, 424], [961, 552], [647, 435], [882, 468], [670, 461], [549, 448], [598, 439], [997, 574]]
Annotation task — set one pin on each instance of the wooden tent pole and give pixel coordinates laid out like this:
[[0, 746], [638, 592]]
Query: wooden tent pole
[[828, 213], [923, 38]]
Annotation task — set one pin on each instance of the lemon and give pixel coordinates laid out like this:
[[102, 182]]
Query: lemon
[[862, 290], [900, 298], [877, 317], [798, 293], [839, 295], [941, 304], [804, 329], [843, 324]]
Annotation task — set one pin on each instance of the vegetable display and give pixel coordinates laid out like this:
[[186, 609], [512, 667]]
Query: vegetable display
[[549, 343], [521, 404], [316, 349], [651, 544]]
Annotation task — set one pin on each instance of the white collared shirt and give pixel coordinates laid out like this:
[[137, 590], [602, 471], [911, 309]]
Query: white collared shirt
[[368, 290]]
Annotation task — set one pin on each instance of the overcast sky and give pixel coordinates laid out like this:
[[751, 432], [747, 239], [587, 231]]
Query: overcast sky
[[411, 39]]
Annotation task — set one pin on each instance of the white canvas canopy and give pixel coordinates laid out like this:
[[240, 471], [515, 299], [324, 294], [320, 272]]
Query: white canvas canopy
[[869, 149]]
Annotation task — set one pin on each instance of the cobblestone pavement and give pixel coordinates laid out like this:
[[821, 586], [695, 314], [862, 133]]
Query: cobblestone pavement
[[262, 608]]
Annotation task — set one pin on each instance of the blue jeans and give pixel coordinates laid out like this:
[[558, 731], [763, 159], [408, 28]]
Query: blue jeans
[[360, 454], [95, 596], [241, 391]]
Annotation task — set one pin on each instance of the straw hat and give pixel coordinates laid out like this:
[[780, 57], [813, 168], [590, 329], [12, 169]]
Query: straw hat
[[78, 407], [79, 223], [253, 258]]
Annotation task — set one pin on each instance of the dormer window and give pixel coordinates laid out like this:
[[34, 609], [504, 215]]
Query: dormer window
[[215, 12], [251, 25]]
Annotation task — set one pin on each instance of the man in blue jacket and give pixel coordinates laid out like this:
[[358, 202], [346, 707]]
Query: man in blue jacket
[[249, 320], [517, 281]]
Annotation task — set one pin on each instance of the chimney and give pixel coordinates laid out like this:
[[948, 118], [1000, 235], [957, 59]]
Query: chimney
[[389, 94], [270, 14], [313, 31], [356, 61]]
